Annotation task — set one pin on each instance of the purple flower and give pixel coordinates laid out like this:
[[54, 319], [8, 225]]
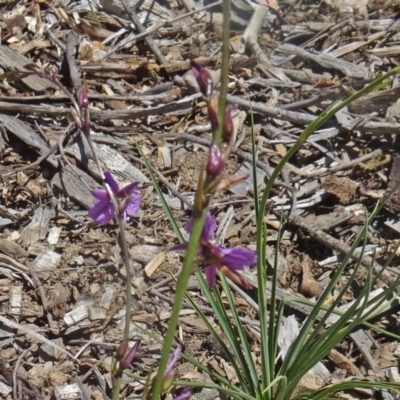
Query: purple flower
[[127, 360], [171, 363], [203, 78], [184, 394], [169, 373], [228, 261], [128, 200]]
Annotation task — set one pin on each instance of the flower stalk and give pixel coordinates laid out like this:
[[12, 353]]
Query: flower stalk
[[202, 198], [115, 202]]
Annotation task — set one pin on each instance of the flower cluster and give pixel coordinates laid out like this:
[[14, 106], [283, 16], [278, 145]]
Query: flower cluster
[[127, 199], [222, 142], [213, 257]]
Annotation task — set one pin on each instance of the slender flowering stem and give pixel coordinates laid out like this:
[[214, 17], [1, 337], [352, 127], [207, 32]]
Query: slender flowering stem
[[105, 205], [199, 214], [117, 202], [125, 255], [181, 285], [226, 10]]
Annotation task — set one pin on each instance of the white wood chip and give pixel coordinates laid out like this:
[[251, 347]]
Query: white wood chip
[[69, 392], [54, 235], [154, 263], [396, 353], [5, 390], [164, 157], [46, 261], [383, 307], [115, 7], [74, 316], [85, 323], [10, 59], [173, 202], [15, 300], [6, 332], [287, 335], [243, 187], [110, 160], [393, 374]]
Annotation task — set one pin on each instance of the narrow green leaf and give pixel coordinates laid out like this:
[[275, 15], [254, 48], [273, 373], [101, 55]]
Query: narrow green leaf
[[242, 343]]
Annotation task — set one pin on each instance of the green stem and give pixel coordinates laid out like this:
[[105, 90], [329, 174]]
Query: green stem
[[117, 387], [198, 223], [190, 257], [226, 9]]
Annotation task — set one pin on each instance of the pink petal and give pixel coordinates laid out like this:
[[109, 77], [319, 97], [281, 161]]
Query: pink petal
[[133, 205], [239, 258], [215, 162], [100, 194], [171, 363], [102, 212], [127, 360], [210, 225], [111, 182], [128, 189]]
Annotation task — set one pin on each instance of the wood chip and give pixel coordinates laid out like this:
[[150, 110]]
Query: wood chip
[[154, 263], [46, 261], [37, 228], [68, 392], [78, 314]]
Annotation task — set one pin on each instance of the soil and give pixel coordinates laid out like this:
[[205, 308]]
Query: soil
[[62, 279]]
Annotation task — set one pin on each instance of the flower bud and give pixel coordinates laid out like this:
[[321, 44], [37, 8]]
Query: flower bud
[[83, 100], [127, 360], [212, 114], [228, 127], [203, 79], [123, 347], [215, 162]]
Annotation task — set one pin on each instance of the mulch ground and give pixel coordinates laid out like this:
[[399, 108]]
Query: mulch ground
[[62, 290]]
